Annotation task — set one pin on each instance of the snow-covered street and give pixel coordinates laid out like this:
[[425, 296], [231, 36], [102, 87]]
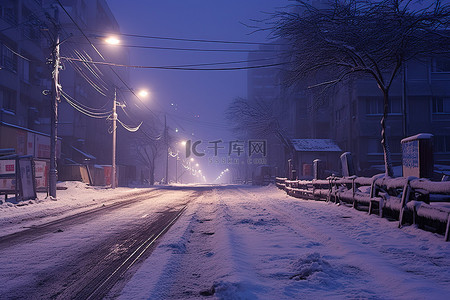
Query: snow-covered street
[[258, 243], [243, 242]]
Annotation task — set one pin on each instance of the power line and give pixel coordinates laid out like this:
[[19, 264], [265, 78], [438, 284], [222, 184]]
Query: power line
[[202, 49], [173, 67], [83, 110], [198, 40], [101, 56], [79, 28]]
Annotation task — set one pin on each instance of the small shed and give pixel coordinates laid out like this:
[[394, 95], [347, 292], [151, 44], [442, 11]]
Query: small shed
[[307, 150]]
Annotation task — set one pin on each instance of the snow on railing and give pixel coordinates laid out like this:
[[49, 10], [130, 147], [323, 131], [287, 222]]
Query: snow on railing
[[408, 199]]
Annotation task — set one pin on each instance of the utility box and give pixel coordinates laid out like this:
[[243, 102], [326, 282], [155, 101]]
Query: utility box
[[347, 164], [417, 156], [318, 168]]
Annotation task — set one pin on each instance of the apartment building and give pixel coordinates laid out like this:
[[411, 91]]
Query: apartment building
[[24, 75]]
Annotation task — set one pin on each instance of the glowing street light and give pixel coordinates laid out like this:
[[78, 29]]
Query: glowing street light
[[112, 40], [143, 93]]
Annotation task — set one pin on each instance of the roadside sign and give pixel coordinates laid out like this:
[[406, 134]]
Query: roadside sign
[[7, 167]]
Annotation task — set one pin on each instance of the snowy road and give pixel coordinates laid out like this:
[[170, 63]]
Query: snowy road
[[70, 257], [258, 243], [231, 242]]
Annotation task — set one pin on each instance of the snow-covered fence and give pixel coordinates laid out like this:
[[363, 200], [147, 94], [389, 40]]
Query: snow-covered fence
[[410, 200]]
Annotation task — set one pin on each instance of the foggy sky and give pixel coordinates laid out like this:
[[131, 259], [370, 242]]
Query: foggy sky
[[194, 93]]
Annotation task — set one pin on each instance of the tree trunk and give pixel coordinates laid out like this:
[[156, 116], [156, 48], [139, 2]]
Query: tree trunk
[[151, 179], [152, 172], [384, 143]]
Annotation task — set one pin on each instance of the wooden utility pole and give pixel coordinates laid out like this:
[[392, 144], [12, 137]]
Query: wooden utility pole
[[54, 109], [166, 139], [114, 136]]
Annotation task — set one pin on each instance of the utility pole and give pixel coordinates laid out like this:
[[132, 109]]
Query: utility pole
[[404, 101], [167, 146], [54, 109], [176, 168], [114, 132]]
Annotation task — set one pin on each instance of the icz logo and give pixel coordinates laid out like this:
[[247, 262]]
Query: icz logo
[[193, 147]]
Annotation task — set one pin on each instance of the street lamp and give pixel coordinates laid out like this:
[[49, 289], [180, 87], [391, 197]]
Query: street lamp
[[143, 93], [112, 40]]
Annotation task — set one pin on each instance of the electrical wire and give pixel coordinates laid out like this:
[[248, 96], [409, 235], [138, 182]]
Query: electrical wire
[[129, 128], [194, 40], [97, 83], [83, 108], [87, 108], [79, 28], [102, 57], [201, 50], [106, 115], [174, 67], [15, 53]]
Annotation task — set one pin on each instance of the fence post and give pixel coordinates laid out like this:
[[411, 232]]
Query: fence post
[[405, 198], [347, 164], [447, 233]]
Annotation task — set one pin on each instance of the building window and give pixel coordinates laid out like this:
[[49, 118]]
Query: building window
[[339, 115], [441, 65], [374, 146], [441, 105], [375, 105], [442, 143], [26, 71], [8, 12], [8, 58], [8, 100]]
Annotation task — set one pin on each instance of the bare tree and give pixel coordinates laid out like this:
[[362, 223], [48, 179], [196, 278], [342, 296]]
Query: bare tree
[[256, 118], [351, 38], [148, 146]]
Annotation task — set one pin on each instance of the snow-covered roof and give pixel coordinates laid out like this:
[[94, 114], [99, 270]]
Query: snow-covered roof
[[420, 136], [315, 145], [24, 128]]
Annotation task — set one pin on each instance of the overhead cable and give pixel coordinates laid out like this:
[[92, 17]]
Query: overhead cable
[[174, 67], [198, 40]]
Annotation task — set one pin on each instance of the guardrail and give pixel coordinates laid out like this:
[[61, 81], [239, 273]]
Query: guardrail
[[409, 200]]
